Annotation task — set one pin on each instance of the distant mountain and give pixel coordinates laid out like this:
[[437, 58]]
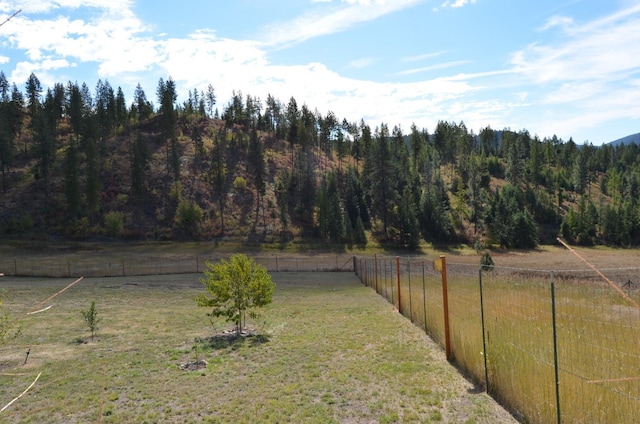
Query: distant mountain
[[630, 139]]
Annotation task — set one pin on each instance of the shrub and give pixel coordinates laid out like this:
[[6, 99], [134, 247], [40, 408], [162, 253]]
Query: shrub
[[114, 223], [239, 184], [189, 218]]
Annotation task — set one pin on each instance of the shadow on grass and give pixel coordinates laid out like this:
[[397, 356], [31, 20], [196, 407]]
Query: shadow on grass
[[232, 341]]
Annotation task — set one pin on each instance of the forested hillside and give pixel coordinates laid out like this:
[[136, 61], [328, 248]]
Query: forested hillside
[[80, 163]]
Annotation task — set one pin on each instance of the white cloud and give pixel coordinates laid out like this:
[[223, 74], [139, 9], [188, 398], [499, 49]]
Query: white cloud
[[332, 20], [422, 57], [610, 52], [437, 66], [559, 21], [361, 63], [592, 72], [47, 6], [457, 3]]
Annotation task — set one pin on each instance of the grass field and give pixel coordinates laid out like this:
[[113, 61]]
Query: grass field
[[328, 350], [596, 329]]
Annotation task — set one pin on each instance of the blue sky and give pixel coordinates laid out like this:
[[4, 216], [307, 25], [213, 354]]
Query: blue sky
[[564, 67]]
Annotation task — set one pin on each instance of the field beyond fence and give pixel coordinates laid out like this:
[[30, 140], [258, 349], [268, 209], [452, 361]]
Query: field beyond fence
[[552, 346], [60, 266]]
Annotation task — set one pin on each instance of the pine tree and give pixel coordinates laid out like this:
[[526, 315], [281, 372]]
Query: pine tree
[[218, 173], [72, 180]]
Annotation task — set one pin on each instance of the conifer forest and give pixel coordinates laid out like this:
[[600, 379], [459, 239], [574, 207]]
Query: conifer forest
[[85, 163]]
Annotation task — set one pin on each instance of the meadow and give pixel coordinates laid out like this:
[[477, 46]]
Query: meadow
[[327, 350]]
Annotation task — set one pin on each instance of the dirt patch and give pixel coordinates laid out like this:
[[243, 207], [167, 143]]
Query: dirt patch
[[194, 365]]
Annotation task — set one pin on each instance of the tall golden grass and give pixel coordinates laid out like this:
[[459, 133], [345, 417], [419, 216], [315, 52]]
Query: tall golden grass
[[597, 335]]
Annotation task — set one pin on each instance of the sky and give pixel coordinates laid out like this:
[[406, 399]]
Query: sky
[[569, 68]]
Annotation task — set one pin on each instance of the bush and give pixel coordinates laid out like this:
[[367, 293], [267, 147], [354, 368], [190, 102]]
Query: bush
[[239, 184], [189, 218], [486, 262], [114, 223]]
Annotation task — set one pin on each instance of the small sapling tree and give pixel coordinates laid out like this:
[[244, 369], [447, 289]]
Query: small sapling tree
[[486, 262], [91, 318], [236, 288]]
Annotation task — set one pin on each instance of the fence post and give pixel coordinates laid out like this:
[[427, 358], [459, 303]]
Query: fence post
[[484, 339], [409, 276], [445, 305], [398, 276], [277, 263], [375, 271], [424, 298], [389, 284], [555, 345], [15, 267]]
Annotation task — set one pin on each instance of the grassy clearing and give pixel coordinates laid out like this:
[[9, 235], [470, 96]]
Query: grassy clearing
[[330, 350]]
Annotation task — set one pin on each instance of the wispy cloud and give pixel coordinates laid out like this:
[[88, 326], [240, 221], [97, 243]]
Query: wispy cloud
[[435, 67], [457, 3], [592, 74], [606, 49], [47, 6], [331, 20], [361, 63], [558, 21], [422, 57]]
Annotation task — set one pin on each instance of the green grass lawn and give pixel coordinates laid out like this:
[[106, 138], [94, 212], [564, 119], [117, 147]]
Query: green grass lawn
[[328, 350]]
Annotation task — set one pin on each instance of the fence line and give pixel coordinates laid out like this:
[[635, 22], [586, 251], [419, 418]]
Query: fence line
[[95, 267], [553, 346]]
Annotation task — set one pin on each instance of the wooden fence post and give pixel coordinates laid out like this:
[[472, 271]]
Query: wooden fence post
[[398, 275], [375, 271], [445, 305]]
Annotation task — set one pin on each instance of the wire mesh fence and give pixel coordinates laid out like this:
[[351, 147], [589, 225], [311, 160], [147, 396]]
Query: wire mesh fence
[[553, 346], [97, 267]]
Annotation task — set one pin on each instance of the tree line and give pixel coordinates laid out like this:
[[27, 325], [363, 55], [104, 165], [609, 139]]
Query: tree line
[[102, 166]]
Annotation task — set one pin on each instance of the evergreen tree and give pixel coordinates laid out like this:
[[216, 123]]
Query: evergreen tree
[[381, 179], [435, 216], [218, 173], [167, 97], [293, 117], [210, 97], [510, 223], [139, 167], [34, 89], [256, 163], [72, 180], [580, 176], [141, 107], [121, 109], [10, 125], [282, 199], [75, 108], [92, 187], [406, 226]]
